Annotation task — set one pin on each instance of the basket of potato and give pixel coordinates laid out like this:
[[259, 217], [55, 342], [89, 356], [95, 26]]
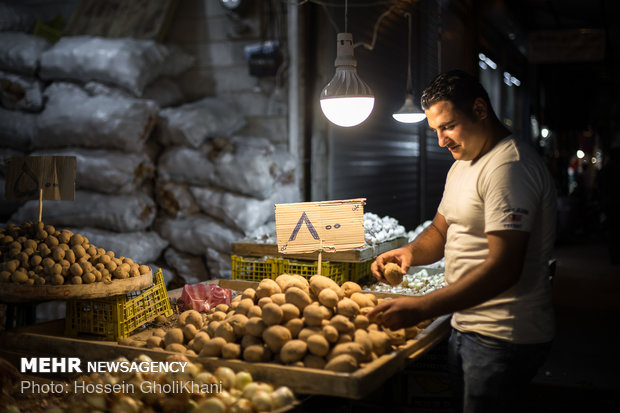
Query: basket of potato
[[290, 321], [38, 261]]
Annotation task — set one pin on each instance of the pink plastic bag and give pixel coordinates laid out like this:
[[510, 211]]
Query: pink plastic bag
[[202, 297]]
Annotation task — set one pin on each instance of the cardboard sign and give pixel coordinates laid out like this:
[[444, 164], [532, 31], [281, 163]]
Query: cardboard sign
[[26, 176], [320, 226]]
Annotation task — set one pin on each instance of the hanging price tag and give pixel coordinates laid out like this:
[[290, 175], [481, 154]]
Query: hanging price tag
[[41, 177], [328, 226]]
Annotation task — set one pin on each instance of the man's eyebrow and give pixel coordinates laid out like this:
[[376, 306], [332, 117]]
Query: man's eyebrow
[[441, 125]]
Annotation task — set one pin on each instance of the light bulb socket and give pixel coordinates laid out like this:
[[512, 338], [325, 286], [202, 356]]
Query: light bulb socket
[[344, 51], [346, 82]]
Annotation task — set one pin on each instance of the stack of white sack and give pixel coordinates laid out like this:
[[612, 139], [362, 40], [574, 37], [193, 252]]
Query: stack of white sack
[[101, 106], [234, 183]]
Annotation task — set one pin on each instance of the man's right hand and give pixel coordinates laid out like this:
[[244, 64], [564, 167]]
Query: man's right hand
[[401, 256]]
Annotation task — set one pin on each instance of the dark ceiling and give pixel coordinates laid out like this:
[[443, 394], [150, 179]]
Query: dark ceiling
[[582, 88]]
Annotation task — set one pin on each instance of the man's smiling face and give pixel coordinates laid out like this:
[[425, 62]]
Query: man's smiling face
[[456, 131]]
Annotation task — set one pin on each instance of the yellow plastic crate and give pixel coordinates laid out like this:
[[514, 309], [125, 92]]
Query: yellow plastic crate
[[117, 316], [359, 270], [254, 269]]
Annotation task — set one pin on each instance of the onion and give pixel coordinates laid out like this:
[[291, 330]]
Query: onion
[[242, 379], [210, 405], [242, 406], [226, 375], [283, 396], [206, 378], [262, 401], [96, 402], [250, 390], [143, 358], [126, 404]]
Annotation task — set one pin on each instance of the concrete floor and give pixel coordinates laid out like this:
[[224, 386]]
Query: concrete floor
[[582, 371]]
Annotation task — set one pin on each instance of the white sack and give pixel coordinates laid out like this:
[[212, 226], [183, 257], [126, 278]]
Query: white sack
[[121, 213], [163, 91], [249, 169], [142, 246], [17, 129], [191, 124], [186, 165], [175, 199], [197, 233], [219, 264], [126, 62], [74, 118], [21, 52], [21, 92], [191, 268], [285, 165], [110, 172], [239, 211]]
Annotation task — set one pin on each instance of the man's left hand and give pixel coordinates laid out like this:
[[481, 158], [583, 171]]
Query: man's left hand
[[397, 313]]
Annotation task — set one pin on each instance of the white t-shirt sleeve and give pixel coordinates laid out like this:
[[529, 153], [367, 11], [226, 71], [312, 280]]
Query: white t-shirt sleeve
[[511, 197]]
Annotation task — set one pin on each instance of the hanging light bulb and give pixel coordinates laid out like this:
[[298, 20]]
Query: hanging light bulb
[[346, 100], [409, 112]]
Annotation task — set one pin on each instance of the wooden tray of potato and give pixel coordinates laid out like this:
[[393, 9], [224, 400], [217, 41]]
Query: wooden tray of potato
[[16, 293], [303, 380]]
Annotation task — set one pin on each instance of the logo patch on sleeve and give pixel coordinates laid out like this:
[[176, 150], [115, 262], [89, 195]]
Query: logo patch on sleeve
[[514, 217]]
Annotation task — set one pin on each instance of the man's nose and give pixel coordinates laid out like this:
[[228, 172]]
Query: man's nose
[[441, 139]]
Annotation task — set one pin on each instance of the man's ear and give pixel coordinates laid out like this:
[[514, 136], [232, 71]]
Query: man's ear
[[481, 109]]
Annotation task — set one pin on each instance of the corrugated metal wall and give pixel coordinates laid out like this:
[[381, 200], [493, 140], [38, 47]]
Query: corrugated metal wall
[[398, 167]]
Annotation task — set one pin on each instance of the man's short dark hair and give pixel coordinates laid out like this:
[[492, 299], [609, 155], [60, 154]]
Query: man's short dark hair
[[459, 88]]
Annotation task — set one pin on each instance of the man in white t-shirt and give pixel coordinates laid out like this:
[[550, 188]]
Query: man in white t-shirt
[[495, 226]]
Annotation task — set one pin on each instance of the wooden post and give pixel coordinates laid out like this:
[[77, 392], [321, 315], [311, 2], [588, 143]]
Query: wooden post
[[40, 204]]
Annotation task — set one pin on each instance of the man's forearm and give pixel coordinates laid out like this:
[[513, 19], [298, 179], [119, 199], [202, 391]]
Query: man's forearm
[[428, 247]]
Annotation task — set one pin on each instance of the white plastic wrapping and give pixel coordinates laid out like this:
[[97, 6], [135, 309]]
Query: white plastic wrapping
[[245, 165], [242, 212], [17, 129], [191, 124], [191, 268], [21, 92], [249, 169], [197, 233], [126, 62], [284, 164], [142, 246], [110, 172], [163, 91], [121, 213], [21, 52], [176, 199], [186, 165], [219, 264], [74, 118]]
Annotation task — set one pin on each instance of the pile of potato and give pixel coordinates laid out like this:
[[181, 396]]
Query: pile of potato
[[291, 321], [38, 254]]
